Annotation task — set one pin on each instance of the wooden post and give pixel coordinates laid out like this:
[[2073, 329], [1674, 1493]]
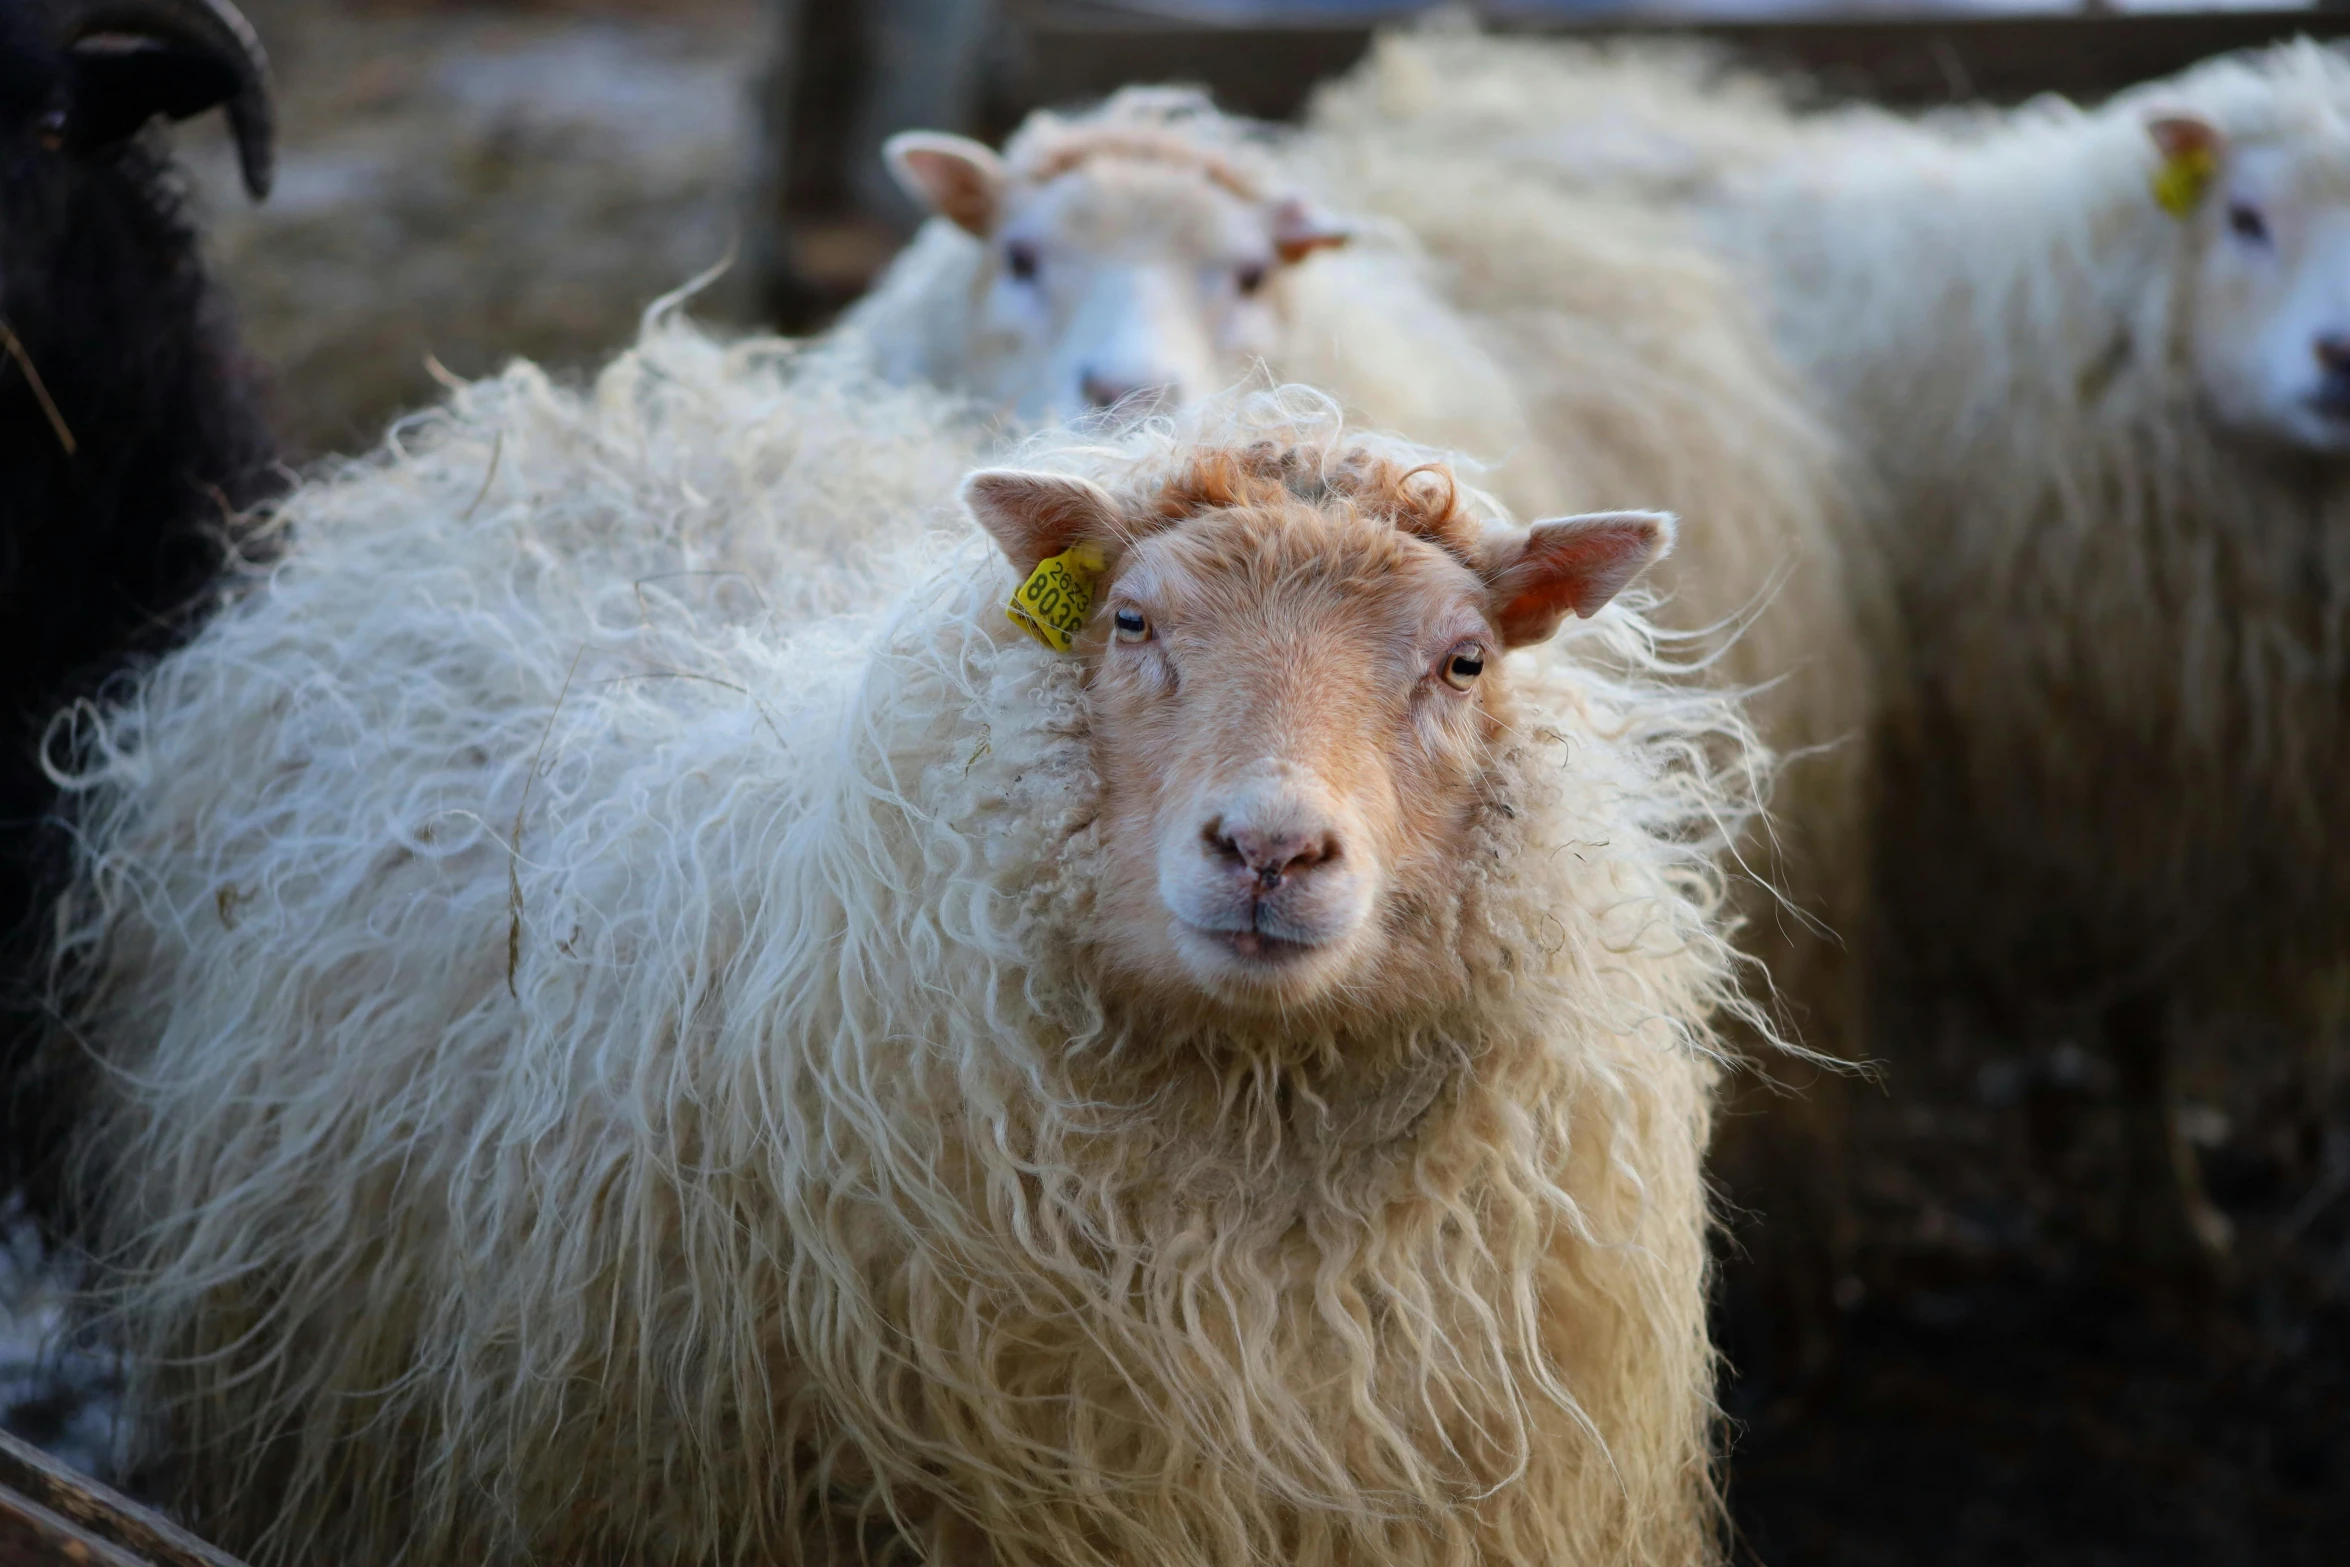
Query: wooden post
[[52, 1517]]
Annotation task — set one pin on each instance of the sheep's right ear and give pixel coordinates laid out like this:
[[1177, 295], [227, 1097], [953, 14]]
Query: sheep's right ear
[[1570, 564], [1033, 515], [954, 176], [2191, 148], [1300, 228]]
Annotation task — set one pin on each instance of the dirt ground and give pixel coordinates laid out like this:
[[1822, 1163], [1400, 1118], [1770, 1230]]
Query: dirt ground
[[472, 184], [2008, 1391]]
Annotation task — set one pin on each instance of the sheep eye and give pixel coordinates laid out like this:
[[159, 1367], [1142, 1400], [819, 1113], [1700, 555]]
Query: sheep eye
[[2247, 223], [1131, 625], [1020, 261], [1251, 278], [1463, 665]]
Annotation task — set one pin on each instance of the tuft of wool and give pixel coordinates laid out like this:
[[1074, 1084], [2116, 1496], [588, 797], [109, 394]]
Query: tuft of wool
[[1665, 118], [605, 1065]]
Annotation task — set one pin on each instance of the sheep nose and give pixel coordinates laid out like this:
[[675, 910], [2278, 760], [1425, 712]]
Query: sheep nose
[[2333, 353], [1109, 391], [1270, 857]]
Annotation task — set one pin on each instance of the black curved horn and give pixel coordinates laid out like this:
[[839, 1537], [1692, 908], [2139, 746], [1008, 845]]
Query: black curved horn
[[214, 28]]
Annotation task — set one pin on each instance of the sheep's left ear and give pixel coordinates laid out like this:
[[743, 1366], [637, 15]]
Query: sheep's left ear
[[1033, 515], [1300, 228], [954, 176], [2191, 148], [1569, 564], [119, 83]]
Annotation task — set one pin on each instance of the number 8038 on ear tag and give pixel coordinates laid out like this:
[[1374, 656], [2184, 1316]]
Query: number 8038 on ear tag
[[1052, 605]]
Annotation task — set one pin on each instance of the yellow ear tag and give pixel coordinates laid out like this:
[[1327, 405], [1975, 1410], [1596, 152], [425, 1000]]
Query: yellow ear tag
[[1053, 603], [2183, 178]]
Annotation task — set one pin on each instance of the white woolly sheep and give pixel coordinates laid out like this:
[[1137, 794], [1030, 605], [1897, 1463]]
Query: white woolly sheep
[[1154, 249], [611, 1068], [2098, 363], [2110, 436], [1662, 117]]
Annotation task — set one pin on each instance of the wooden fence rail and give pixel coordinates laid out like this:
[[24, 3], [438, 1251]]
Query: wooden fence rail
[[52, 1517]]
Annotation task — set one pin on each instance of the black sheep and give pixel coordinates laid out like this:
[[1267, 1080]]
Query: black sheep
[[131, 441]]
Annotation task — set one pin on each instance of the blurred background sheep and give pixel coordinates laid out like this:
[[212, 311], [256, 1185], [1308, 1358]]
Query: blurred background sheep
[[462, 182]]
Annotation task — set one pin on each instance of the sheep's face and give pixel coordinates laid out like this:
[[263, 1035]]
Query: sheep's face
[[2270, 313], [1294, 702], [78, 81], [1116, 281]]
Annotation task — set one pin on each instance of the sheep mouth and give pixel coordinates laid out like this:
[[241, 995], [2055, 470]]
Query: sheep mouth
[[2330, 402], [1253, 949], [1254, 946]]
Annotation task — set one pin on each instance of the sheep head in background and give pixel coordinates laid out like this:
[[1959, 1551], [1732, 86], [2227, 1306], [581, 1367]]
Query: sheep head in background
[[1299, 679], [2270, 286], [123, 63], [1133, 254], [130, 433]]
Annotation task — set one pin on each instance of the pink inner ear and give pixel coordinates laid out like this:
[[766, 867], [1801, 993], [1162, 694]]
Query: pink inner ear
[[1299, 230], [958, 189], [2181, 135], [1577, 564], [1033, 515]]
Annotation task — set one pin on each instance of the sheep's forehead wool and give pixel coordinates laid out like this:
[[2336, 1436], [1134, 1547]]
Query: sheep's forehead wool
[[1172, 127], [1134, 207], [2298, 92], [1354, 477], [1280, 546], [1172, 150], [1278, 518], [1147, 142], [2288, 110]]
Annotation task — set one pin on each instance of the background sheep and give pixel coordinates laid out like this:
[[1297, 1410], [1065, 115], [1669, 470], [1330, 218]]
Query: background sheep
[[2094, 361], [1661, 118], [2111, 447], [1152, 249], [537, 964], [130, 439]]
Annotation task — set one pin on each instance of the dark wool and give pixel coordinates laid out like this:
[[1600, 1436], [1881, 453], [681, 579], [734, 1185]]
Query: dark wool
[[109, 554]]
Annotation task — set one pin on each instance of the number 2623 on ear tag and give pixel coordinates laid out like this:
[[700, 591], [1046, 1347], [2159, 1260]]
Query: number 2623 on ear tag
[[1052, 605]]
